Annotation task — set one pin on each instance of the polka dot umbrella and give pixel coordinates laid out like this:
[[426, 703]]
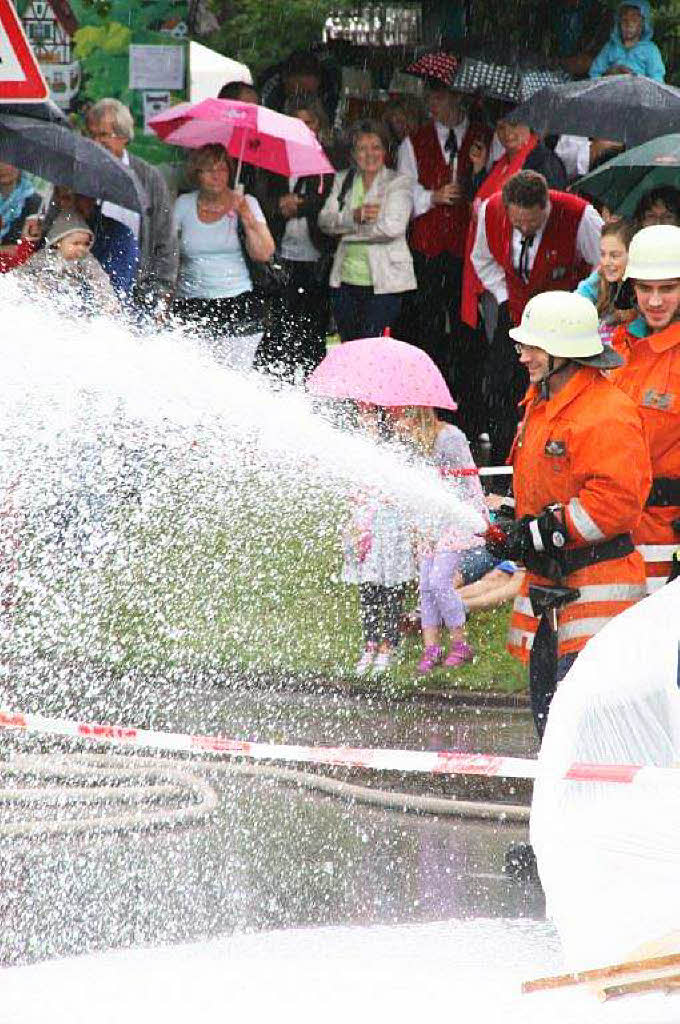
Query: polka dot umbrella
[[439, 66]]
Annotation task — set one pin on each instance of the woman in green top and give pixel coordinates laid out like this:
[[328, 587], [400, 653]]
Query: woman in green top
[[369, 208]]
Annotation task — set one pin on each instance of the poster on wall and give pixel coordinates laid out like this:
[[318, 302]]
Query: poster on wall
[[157, 67]]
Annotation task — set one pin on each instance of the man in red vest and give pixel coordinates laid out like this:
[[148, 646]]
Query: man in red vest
[[529, 240], [437, 159]]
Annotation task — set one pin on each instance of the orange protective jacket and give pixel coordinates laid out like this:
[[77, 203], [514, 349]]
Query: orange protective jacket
[[651, 377], [585, 449]]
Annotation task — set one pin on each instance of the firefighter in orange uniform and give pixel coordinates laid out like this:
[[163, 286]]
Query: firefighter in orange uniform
[[581, 478], [650, 346]]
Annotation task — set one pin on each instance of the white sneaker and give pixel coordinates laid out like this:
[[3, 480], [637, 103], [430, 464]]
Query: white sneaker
[[364, 662], [383, 662]]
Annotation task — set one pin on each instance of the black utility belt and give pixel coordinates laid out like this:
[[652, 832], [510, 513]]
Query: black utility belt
[[665, 492], [574, 559]]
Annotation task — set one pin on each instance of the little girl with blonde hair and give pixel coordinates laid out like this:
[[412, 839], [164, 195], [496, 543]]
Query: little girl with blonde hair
[[441, 543]]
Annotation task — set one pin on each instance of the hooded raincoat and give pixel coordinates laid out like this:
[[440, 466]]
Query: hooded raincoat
[[643, 58]]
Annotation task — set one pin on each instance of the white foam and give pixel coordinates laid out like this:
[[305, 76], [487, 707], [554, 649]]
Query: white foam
[[457, 970]]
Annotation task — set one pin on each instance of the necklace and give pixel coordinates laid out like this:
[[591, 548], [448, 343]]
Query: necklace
[[207, 207]]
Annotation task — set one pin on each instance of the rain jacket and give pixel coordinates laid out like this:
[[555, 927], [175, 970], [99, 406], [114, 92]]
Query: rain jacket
[[651, 377], [643, 58], [585, 449]]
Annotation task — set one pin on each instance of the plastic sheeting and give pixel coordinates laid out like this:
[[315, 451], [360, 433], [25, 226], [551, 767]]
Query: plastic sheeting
[[609, 854]]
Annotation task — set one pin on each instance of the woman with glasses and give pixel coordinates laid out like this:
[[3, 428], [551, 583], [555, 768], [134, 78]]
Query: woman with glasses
[[221, 232]]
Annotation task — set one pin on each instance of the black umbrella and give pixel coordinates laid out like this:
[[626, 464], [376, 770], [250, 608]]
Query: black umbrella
[[625, 108], [60, 155]]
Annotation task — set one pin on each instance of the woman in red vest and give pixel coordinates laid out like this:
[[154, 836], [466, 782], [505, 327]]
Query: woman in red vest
[[529, 240]]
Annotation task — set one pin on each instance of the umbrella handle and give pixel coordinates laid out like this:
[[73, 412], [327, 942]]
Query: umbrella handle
[[237, 181]]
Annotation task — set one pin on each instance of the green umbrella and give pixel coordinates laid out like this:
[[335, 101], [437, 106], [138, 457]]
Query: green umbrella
[[622, 181]]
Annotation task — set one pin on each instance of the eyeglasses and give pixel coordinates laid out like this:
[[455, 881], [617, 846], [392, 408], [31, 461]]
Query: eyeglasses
[[100, 136], [520, 348]]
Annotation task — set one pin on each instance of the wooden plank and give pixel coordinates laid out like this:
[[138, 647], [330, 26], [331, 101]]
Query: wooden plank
[[601, 973]]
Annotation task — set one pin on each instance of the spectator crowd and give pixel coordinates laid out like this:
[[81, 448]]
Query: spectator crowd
[[456, 227]]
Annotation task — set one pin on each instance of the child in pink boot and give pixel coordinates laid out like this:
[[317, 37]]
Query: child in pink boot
[[441, 545]]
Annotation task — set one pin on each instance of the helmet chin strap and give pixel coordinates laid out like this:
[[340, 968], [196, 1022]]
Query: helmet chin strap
[[552, 370]]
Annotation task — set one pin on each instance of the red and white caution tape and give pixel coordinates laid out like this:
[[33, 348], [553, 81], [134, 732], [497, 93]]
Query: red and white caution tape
[[439, 762]]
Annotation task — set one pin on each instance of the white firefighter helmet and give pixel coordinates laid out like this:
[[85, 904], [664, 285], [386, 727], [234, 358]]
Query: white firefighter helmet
[[564, 324], [654, 254]]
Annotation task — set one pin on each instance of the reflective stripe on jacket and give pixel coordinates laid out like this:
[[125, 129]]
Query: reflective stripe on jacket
[[651, 377], [584, 449]]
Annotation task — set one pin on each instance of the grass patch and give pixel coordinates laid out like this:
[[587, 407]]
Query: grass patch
[[249, 588]]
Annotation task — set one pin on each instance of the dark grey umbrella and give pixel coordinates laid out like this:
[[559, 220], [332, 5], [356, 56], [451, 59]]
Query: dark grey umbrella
[[46, 110], [625, 108], [497, 77], [60, 155]]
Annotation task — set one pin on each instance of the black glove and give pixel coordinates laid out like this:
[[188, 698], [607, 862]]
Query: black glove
[[544, 541], [519, 539], [506, 537], [537, 541], [549, 533]]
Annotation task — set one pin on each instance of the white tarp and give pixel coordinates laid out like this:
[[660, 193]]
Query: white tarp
[[209, 71], [609, 853]]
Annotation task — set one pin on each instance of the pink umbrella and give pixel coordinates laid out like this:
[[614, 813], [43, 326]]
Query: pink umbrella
[[382, 371], [250, 133]]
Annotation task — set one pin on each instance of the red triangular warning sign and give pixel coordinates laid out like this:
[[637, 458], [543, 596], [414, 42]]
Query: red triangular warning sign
[[21, 79]]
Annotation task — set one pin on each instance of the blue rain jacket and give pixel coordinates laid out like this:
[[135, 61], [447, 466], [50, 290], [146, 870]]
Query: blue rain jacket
[[644, 58], [588, 286]]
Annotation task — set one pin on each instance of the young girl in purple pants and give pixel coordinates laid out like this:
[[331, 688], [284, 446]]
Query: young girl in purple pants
[[442, 545]]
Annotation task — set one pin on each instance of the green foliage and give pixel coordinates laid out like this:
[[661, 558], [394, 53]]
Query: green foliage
[[263, 32], [136, 15], [103, 52], [112, 38]]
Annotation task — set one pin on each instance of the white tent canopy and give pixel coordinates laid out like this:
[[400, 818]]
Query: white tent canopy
[[209, 71]]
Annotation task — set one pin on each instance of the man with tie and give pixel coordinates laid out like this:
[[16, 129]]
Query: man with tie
[[529, 239], [437, 159]]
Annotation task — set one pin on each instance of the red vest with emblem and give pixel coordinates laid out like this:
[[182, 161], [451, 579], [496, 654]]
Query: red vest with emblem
[[557, 266], [443, 228]]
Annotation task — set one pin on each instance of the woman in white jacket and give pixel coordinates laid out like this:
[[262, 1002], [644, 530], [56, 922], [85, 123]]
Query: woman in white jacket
[[369, 208]]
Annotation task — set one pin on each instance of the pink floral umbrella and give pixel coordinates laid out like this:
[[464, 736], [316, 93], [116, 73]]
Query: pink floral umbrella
[[382, 371], [254, 134]]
